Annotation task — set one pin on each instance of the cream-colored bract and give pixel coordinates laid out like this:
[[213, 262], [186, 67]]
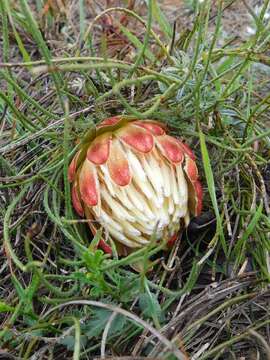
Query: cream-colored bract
[[155, 200]]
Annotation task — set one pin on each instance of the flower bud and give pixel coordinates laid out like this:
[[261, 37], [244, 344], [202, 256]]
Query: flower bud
[[133, 179]]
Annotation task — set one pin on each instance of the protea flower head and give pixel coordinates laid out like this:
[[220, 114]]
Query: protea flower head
[[133, 179]]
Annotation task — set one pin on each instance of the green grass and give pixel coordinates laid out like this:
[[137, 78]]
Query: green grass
[[59, 297]]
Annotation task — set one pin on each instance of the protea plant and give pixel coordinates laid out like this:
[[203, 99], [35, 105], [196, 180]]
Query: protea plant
[[133, 179]]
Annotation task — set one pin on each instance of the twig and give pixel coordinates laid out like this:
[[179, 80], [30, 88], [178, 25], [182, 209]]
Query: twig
[[262, 341], [105, 334]]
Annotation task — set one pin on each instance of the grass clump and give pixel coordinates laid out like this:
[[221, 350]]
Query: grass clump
[[59, 297]]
